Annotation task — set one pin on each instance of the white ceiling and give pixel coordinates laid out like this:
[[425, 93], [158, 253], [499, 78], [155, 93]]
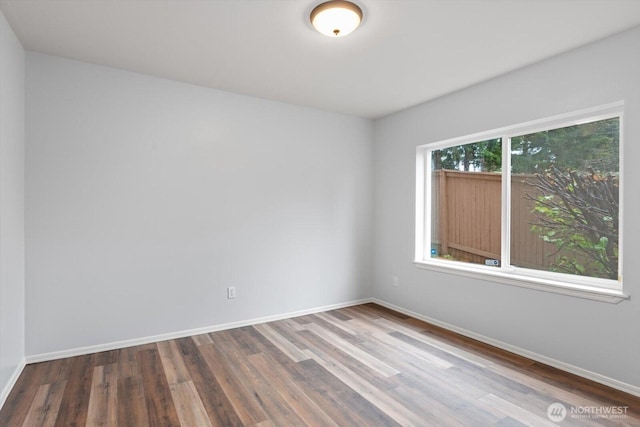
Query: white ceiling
[[406, 51]]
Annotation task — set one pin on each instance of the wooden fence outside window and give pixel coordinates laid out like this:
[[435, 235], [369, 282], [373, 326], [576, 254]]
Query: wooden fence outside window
[[466, 219]]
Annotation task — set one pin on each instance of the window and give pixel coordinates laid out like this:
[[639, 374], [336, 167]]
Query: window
[[536, 204]]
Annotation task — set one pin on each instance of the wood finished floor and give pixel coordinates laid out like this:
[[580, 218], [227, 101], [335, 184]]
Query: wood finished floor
[[358, 366]]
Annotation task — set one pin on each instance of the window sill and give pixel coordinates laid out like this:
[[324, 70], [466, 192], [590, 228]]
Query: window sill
[[611, 296]]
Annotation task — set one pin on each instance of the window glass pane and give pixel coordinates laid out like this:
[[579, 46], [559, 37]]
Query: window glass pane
[[565, 199], [465, 202]]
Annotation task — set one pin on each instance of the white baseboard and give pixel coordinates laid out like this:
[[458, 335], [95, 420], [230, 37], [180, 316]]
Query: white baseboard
[[45, 357], [593, 376], [12, 382]]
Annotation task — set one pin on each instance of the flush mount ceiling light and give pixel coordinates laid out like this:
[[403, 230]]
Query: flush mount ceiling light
[[336, 18]]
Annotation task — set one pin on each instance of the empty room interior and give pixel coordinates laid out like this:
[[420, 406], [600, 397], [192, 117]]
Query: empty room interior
[[340, 213]]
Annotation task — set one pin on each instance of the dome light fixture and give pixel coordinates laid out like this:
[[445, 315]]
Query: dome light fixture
[[336, 18]]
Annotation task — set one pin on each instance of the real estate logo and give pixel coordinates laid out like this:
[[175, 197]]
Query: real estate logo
[[556, 412]]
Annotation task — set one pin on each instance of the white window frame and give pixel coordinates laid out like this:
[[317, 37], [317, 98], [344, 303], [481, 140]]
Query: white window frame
[[606, 290]]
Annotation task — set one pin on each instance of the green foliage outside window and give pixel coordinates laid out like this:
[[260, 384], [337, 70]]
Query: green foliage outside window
[[577, 178], [578, 213], [483, 156]]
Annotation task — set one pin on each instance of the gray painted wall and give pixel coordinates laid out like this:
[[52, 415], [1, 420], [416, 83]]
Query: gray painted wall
[[599, 337], [146, 198], [12, 283]]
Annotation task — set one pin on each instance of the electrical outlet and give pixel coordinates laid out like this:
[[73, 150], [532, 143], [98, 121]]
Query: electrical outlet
[[231, 292], [396, 281]]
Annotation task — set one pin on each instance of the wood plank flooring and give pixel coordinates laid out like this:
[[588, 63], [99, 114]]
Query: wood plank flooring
[[358, 366]]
